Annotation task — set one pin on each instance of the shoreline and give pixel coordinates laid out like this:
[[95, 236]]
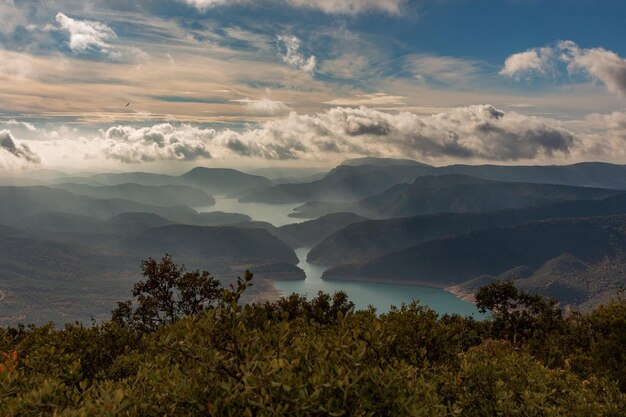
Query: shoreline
[[462, 293], [456, 290], [406, 283]]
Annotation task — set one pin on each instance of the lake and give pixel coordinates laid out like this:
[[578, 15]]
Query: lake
[[362, 294]]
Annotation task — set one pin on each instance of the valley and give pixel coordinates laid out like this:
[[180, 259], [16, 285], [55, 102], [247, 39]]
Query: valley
[[388, 232]]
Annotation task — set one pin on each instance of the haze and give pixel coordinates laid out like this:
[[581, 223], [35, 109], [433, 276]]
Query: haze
[[339, 139]]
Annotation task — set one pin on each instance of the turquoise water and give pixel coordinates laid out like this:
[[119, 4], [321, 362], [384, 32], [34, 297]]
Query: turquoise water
[[381, 296], [362, 294], [275, 214]]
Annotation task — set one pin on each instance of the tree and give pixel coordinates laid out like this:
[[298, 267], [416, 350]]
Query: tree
[[518, 313], [168, 294]]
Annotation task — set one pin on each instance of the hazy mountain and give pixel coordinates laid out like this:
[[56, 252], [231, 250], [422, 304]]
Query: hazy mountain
[[43, 175], [366, 240], [74, 180], [83, 275], [210, 180], [310, 233], [453, 193], [566, 278], [289, 174], [213, 243], [143, 178], [461, 194], [381, 162], [220, 218], [20, 202], [224, 181], [8, 231], [160, 195], [589, 174], [343, 183], [453, 260], [131, 223], [45, 280], [51, 222], [19, 182], [353, 183]]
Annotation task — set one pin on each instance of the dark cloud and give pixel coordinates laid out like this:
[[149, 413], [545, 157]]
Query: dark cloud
[[21, 151]]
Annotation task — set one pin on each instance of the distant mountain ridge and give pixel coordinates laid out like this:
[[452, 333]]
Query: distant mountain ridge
[[343, 183], [366, 240], [354, 181], [158, 195], [454, 194], [215, 181], [374, 161], [459, 258], [310, 233]]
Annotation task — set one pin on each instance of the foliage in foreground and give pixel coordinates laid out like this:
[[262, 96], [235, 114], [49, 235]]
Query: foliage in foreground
[[320, 358]]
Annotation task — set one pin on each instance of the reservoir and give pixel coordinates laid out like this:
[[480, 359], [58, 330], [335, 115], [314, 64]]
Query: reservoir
[[362, 294]]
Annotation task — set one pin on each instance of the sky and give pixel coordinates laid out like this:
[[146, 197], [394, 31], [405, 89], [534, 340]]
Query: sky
[[168, 84]]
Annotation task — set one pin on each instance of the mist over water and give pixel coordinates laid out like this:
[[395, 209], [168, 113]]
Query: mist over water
[[362, 294], [276, 214]]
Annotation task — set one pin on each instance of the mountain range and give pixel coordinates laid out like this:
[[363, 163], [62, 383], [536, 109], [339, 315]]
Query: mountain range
[[599, 243], [359, 179]]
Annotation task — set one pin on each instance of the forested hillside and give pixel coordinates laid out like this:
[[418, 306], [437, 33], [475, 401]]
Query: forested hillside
[[317, 357]]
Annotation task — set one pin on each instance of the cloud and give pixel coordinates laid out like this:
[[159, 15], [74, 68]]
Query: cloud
[[28, 126], [342, 7], [443, 69], [475, 132], [86, 35], [597, 63], [289, 49], [533, 60], [10, 152], [159, 142], [11, 17], [351, 6], [348, 67], [376, 100], [264, 105]]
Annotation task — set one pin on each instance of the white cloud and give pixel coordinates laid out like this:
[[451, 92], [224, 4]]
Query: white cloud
[[375, 100], [205, 4], [159, 142], [264, 105], [15, 154], [474, 132], [28, 126], [86, 35], [349, 66], [480, 133], [349, 7], [289, 46], [443, 69], [597, 63], [533, 60], [11, 17]]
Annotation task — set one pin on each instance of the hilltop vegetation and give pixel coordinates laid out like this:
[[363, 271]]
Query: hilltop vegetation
[[318, 357]]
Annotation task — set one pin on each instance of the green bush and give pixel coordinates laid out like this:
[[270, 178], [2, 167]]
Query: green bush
[[320, 358]]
